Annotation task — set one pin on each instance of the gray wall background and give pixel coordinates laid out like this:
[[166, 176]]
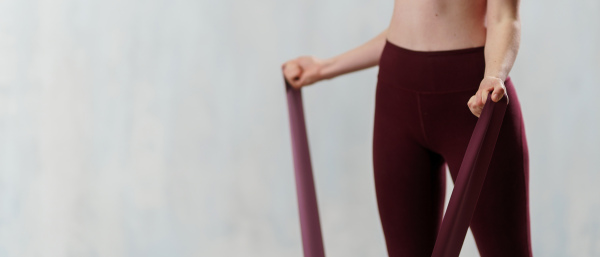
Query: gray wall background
[[160, 128]]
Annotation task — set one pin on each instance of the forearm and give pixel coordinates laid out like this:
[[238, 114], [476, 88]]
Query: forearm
[[502, 45], [362, 57]]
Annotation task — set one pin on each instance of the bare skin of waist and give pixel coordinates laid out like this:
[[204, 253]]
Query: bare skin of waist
[[434, 25]]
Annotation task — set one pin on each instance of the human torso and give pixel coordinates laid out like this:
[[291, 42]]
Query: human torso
[[435, 25]]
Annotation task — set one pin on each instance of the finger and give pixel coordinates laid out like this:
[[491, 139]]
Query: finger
[[487, 92], [475, 110], [484, 96], [477, 98], [293, 73], [471, 102], [296, 83], [479, 102], [498, 93], [305, 79]]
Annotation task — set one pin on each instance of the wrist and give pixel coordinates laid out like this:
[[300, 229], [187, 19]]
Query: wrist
[[495, 75], [327, 68]]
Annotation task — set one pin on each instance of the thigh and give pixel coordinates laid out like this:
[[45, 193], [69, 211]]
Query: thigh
[[410, 187], [500, 224]]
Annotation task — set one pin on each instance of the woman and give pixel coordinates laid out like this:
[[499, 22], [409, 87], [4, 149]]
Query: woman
[[438, 61]]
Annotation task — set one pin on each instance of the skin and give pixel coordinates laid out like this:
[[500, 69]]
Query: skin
[[431, 25]]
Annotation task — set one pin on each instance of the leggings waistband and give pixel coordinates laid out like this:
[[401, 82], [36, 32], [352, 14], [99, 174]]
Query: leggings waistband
[[432, 71]]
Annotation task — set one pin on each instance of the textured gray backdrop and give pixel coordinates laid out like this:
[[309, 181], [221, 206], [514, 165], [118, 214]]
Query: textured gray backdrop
[[160, 128]]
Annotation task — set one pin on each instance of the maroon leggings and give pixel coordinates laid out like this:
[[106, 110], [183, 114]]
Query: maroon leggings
[[422, 122]]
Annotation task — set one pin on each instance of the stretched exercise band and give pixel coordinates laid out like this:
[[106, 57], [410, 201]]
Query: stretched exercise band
[[310, 226], [464, 196]]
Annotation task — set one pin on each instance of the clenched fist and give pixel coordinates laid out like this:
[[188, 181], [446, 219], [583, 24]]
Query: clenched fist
[[489, 83], [303, 71]]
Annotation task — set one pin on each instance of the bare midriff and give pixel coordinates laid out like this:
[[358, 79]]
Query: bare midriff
[[437, 25]]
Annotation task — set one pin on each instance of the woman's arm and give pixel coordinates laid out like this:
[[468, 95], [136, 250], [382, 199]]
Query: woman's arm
[[501, 47], [306, 70], [503, 37], [365, 56]]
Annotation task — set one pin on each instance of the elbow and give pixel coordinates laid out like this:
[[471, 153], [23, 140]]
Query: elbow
[[512, 22], [503, 15]]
